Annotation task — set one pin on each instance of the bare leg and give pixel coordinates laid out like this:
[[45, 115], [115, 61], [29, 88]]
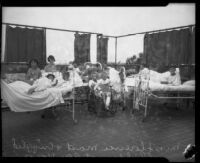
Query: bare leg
[[108, 97]]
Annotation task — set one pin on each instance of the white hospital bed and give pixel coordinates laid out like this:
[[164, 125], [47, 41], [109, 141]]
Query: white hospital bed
[[144, 89]]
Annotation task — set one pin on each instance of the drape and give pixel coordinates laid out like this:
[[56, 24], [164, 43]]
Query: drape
[[102, 50], [169, 48], [24, 44], [82, 48]]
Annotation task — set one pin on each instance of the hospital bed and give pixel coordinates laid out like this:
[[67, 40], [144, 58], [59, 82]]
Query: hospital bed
[[50, 98], [144, 90]]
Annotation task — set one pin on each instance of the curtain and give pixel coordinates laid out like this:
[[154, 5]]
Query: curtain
[[102, 50], [24, 44], [82, 48], [171, 47], [193, 46]]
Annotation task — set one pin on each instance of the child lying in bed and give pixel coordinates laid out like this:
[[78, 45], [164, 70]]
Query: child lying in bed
[[172, 78], [43, 83]]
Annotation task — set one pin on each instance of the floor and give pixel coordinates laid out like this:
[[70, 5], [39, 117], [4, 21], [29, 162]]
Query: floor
[[165, 133]]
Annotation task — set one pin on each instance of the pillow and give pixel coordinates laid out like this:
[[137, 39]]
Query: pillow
[[189, 82]]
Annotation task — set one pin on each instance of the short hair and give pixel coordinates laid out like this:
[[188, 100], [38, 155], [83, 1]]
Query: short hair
[[75, 65], [51, 57], [50, 75], [172, 67], [33, 60]]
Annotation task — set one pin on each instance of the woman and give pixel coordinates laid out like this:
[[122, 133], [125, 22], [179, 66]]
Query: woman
[[33, 72], [50, 67]]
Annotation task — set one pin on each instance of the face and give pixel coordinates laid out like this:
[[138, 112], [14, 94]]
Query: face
[[33, 64], [75, 65], [51, 61], [94, 76], [51, 78], [104, 76], [172, 71]]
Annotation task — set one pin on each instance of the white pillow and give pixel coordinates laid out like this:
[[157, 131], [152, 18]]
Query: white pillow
[[189, 82]]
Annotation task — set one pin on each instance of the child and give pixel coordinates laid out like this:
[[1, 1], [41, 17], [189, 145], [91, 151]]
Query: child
[[93, 80], [103, 85], [173, 78], [43, 83], [66, 76], [34, 72]]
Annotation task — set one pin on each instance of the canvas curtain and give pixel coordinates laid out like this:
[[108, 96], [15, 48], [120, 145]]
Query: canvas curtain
[[102, 50], [171, 47], [24, 44], [82, 48]]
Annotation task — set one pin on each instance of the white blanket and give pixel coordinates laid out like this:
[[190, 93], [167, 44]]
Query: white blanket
[[155, 86], [16, 97], [74, 78]]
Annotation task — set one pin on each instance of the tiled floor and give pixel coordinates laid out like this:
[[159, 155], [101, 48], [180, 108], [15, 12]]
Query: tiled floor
[[166, 133]]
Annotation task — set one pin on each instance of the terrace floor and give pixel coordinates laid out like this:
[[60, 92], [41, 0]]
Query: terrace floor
[[166, 133]]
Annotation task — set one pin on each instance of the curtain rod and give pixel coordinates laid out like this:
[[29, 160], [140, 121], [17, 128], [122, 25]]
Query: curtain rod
[[156, 31], [58, 29]]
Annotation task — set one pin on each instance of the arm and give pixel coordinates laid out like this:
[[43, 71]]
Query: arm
[[28, 74], [55, 82], [46, 68], [39, 74]]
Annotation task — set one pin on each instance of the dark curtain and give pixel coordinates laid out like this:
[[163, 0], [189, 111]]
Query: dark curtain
[[169, 48], [193, 46], [102, 50], [82, 48], [24, 44]]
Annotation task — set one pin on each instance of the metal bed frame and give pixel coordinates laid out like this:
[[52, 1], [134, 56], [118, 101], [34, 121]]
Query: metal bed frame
[[69, 102], [90, 63], [141, 96]]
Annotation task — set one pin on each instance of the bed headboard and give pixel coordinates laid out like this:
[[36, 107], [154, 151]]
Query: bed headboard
[[14, 67]]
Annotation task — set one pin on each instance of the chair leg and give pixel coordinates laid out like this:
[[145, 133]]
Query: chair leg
[[145, 111], [73, 112]]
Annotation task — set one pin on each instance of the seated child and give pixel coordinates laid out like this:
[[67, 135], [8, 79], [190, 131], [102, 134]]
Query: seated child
[[103, 85], [43, 83], [93, 80], [66, 76]]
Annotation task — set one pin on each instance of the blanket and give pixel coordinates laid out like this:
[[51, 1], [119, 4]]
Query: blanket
[[16, 97]]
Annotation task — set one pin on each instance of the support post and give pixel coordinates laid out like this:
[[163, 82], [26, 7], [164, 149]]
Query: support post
[[116, 52]]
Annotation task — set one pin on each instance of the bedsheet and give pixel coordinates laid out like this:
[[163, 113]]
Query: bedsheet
[[154, 86], [16, 97]]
